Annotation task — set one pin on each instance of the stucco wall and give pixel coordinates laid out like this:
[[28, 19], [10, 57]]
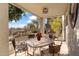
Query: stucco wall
[[4, 29], [71, 38]]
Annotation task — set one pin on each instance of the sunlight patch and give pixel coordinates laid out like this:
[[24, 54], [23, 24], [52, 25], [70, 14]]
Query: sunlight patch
[[33, 17]]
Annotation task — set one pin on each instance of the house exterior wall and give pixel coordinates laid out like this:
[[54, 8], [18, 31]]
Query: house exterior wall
[[71, 39], [4, 50]]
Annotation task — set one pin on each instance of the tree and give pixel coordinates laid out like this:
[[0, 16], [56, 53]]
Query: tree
[[14, 13], [56, 25], [31, 26], [36, 23]]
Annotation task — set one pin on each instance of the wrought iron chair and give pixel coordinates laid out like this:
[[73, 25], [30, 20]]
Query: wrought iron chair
[[21, 47], [52, 50], [55, 49]]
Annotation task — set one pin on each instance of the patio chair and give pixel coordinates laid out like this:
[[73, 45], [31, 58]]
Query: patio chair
[[21, 47], [45, 52], [55, 49]]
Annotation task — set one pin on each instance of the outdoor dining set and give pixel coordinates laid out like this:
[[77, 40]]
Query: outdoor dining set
[[32, 44]]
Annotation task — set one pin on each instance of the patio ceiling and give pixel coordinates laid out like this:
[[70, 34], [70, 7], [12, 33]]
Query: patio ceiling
[[54, 9]]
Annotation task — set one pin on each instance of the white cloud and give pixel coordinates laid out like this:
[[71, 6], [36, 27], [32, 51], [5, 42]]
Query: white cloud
[[33, 17], [21, 25], [17, 26], [13, 21], [29, 21]]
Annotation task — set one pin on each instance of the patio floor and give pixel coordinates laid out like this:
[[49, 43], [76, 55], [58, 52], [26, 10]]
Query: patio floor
[[63, 51]]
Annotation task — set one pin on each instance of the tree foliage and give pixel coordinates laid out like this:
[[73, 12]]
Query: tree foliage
[[35, 22], [56, 24], [14, 13], [33, 26]]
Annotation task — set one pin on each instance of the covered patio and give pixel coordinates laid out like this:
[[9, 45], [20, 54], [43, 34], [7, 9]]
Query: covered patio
[[42, 11]]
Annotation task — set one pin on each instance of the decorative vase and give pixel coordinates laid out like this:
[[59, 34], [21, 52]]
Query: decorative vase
[[38, 38]]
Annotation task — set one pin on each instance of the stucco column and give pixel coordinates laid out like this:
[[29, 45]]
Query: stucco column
[[63, 26], [41, 24], [4, 50], [72, 40]]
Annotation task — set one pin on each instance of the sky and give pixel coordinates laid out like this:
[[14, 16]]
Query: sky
[[23, 21]]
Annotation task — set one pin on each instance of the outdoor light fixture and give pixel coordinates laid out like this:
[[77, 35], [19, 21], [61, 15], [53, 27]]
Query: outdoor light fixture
[[45, 10]]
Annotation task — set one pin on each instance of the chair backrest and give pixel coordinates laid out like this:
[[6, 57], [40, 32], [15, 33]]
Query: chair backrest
[[22, 46], [56, 48]]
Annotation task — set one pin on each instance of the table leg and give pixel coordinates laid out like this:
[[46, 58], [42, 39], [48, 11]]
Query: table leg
[[15, 53], [27, 52], [34, 51], [40, 51]]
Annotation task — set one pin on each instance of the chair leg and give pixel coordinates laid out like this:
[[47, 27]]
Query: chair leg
[[41, 53], [58, 54], [15, 52], [34, 49]]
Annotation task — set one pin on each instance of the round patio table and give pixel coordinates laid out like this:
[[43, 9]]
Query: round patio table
[[34, 43]]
